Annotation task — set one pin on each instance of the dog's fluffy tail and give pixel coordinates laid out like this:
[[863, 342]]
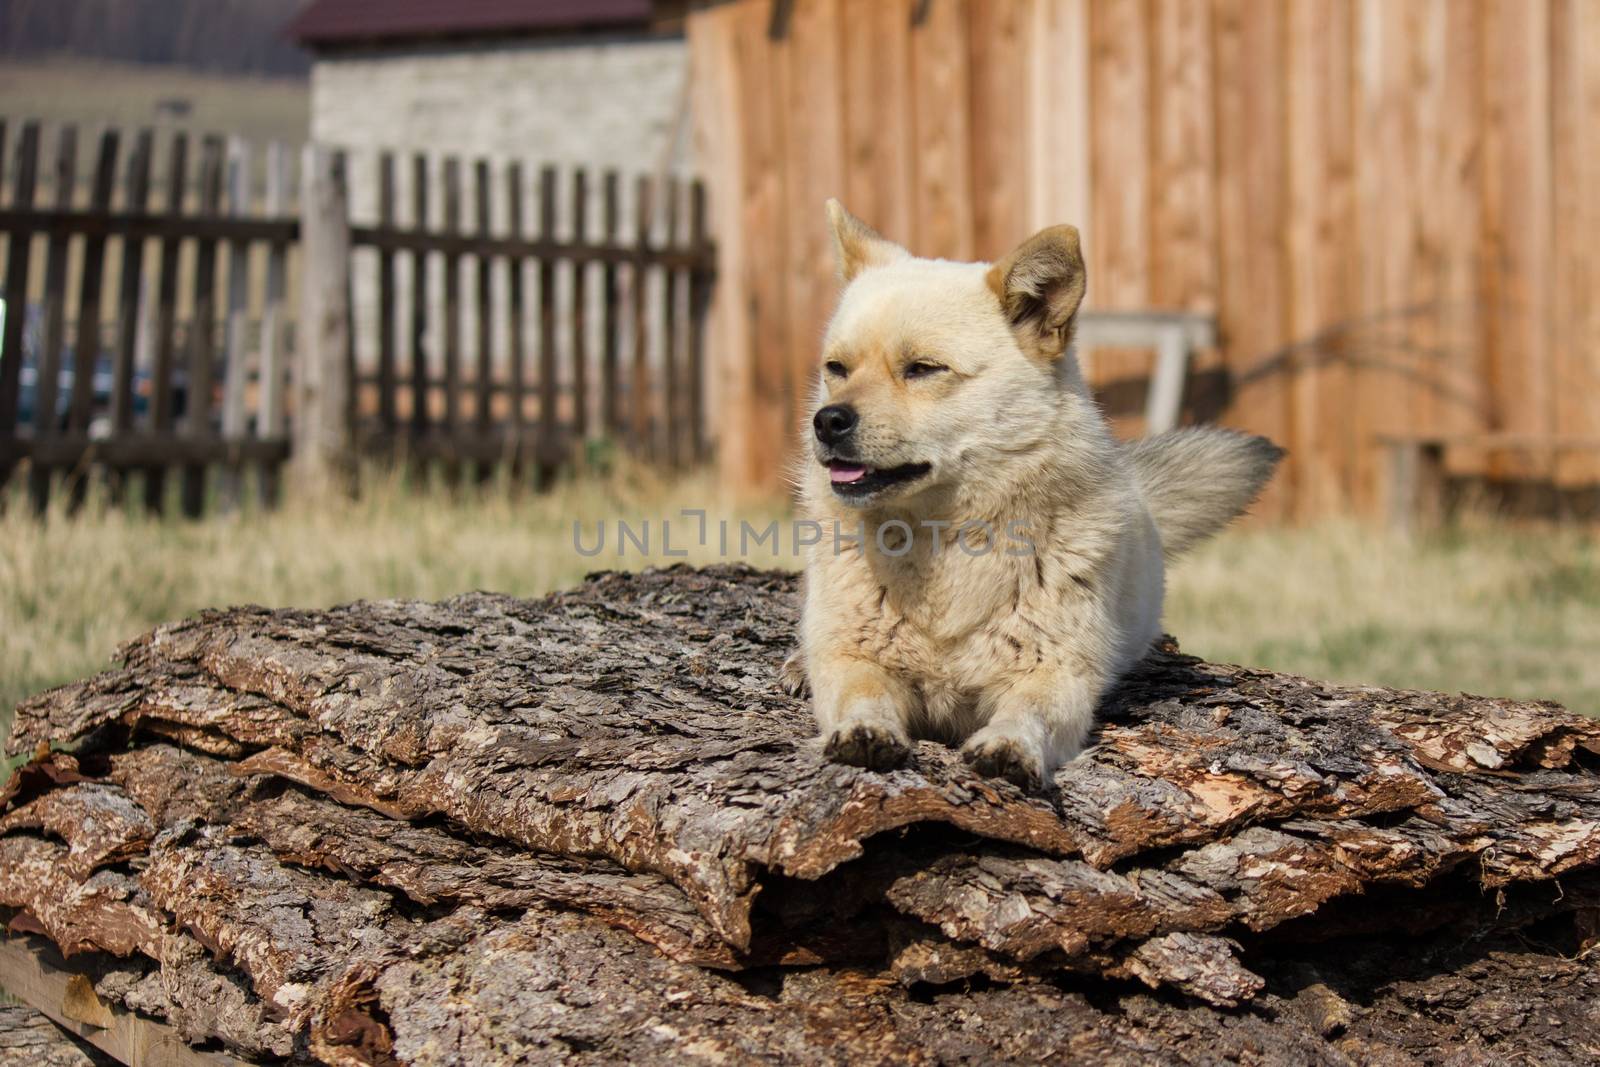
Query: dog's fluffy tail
[[1197, 480]]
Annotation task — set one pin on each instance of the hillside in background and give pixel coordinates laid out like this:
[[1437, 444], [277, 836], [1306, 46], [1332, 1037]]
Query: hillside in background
[[215, 36], [92, 93]]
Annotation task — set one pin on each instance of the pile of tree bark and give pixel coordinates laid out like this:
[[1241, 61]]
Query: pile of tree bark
[[594, 828]]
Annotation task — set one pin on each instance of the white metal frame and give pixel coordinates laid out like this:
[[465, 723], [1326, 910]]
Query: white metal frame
[[1174, 335]]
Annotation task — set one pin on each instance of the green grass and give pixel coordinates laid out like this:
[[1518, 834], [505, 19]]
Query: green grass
[[1484, 609]]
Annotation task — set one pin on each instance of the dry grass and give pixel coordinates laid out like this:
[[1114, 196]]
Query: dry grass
[[72, 589], [1481, 609]]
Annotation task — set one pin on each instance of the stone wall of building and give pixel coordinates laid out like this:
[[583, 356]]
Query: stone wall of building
[[612, 102]]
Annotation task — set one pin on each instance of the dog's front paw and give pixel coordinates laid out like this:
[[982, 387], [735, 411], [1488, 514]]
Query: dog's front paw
[[998, 755], [792, 675], [868, 745]]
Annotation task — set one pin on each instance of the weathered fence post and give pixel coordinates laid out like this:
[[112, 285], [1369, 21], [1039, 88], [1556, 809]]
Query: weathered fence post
[[274, 320], [235, 371], [322, 438]]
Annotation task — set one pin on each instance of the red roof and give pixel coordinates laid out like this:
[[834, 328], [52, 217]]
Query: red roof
[[348, 21]]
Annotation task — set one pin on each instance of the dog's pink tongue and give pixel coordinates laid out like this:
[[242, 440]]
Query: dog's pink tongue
[[846, 472]]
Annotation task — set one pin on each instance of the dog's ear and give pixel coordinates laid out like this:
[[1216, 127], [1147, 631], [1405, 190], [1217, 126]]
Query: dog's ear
[[857, 245], [1040, 286]]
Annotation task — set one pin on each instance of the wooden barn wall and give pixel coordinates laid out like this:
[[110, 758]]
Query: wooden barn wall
[[1391, 206]]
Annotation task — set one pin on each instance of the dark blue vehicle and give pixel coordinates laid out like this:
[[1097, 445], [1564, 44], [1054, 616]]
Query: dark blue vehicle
[[100, 410]]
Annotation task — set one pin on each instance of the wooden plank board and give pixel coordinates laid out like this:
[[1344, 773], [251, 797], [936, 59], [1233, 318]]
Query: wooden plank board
[[86, 344], [715, 104], [1119, 259], [131, 289], [549, 362], [452, 301], [202, 324], [1575, 314], [420, 415], [1183, 208], [1518, 221], [1324, 250], [1057, 103], [941, 125], [640, 380], [236, 369], [611, 312], [82, 223], [274, 384], [1449, 198], [388, 418], [516, 304], [758, 394], [997, 51], [812, 81], [699, 295], [33, 972], [875, 68], [1251, 226], [449, 244], [324, 367], [483, 379], [18, 260], [1119, 147], [1183, 201], [139, 450], [163, 401], [1403, 226], [580, 307], [54, 301], [671, 436], [236, 358]]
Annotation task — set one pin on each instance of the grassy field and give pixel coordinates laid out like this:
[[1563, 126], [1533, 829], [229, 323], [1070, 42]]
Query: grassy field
[[1483, 609]]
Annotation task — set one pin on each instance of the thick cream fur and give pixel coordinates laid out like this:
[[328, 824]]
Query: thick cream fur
[[1007, 652]]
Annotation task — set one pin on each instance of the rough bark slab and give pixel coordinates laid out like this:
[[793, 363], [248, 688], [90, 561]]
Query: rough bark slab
[[102, 824], [105, 912], [558, 989], [204, 1001], [639, 718], [593, 828], [173, 785], [285, 929], [429, 866]]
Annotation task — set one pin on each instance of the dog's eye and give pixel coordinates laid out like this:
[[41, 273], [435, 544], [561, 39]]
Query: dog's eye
[[921, 368], [836, 369]]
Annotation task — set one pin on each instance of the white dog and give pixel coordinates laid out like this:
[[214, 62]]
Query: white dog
[[1009, 566]]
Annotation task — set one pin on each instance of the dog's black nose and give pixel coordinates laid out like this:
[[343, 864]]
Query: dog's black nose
[[834, 423]]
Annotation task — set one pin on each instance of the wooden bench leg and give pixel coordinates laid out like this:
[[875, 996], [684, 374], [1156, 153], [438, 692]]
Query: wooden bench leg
[[1165, 400], [1416, 485]]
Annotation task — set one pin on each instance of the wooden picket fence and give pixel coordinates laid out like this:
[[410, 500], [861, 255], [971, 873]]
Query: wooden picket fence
[[195, 323], [508, 400], [167, 368]]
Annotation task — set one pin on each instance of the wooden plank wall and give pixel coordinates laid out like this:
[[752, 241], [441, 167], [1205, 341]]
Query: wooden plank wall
[[1389, 205]]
